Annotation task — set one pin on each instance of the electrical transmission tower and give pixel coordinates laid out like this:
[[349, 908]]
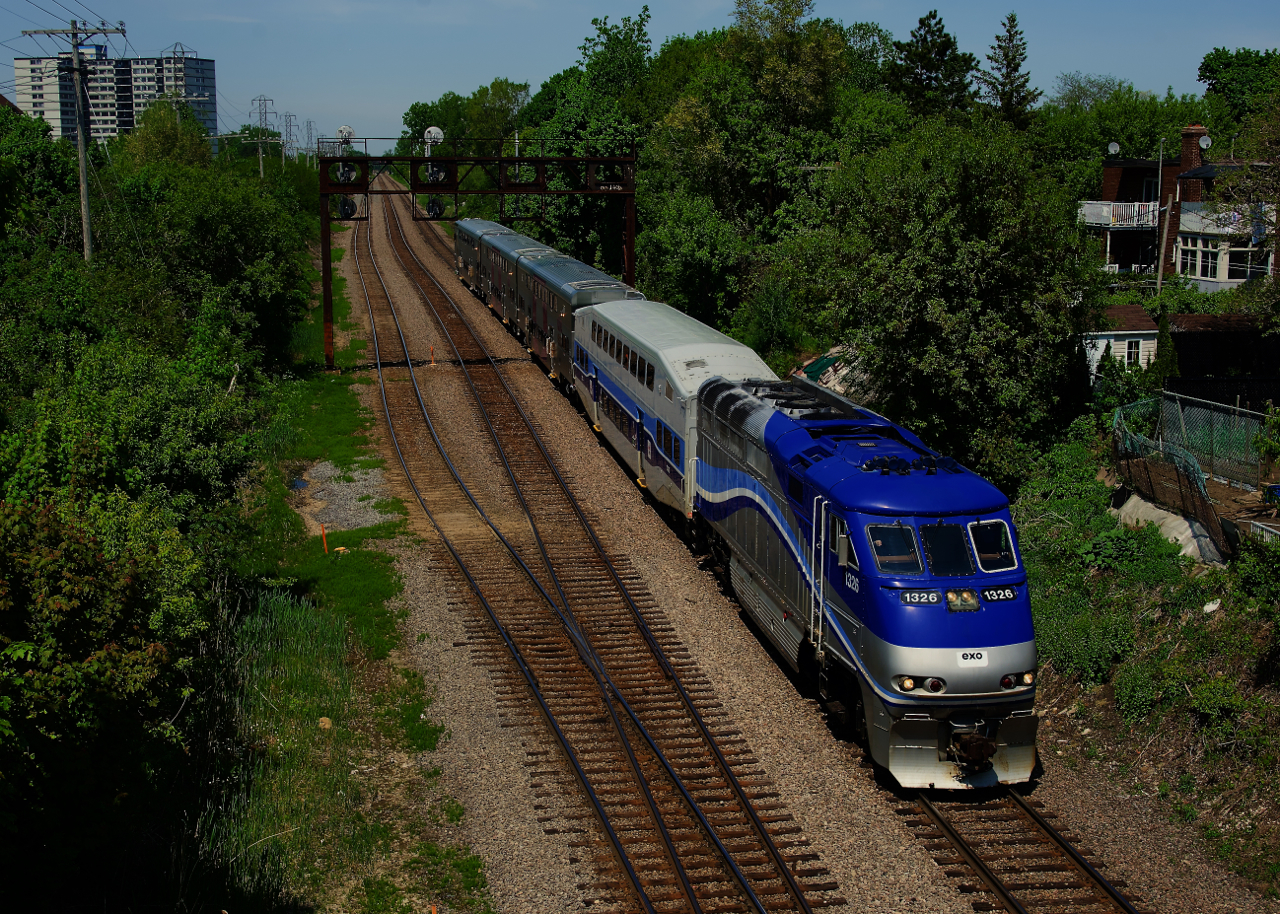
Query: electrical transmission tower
[[79, 33], [290, 141], [311, 141], [263, 105]]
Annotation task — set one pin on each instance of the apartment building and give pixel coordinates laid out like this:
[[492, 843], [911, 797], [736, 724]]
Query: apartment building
[[118, 90]]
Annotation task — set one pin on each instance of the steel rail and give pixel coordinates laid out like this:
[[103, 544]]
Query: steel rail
[[1112, 893], [512, 647], [603, 682], [694, 807], [655, 649], [976, 863]]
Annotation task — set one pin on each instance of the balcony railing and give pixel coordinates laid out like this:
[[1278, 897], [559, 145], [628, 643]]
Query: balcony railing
[[1105, 214]]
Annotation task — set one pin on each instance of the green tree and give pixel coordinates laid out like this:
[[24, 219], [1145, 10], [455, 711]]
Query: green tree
[[1244, 78], [493, 111], [448, 112], [1165, 365], [1084, 90], [930, 70], [796, 63], [1006, 86], [168, 132], [962, 281]]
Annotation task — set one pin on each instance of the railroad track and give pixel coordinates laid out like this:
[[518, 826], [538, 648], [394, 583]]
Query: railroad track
[[685, 821], [1005, 852]]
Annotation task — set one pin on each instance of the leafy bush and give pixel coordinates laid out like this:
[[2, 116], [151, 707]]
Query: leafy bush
[[1138, 690]]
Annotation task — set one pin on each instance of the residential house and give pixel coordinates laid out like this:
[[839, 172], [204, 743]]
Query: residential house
[[1216, 252], [1132, 338]]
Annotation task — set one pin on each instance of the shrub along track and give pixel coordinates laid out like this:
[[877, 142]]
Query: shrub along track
[[1002, 851], [684, 819]]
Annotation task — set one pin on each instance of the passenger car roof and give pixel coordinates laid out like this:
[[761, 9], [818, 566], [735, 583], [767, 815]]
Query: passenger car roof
[[483, 227], [689, 350]]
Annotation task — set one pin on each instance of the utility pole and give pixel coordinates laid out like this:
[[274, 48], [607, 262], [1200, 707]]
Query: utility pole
[[311, 142], [264, 114], [81, 31]]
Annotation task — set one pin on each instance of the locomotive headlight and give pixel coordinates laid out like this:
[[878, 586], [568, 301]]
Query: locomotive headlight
[[906, 683], [1029, 678]]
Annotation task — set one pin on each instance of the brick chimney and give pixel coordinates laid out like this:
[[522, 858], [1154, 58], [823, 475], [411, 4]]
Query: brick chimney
[[1192, 157]]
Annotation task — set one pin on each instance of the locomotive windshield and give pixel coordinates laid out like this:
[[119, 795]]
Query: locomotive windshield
[[894, 548], [994, 547], [947, 549]]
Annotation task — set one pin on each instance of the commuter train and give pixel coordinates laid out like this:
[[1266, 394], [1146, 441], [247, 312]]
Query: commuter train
[[889, 572]]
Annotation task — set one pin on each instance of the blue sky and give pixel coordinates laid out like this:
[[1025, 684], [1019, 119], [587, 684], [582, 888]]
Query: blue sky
[[363, 62]]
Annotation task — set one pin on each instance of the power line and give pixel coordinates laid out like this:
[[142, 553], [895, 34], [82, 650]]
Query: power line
[[19, 15], [42, 9]]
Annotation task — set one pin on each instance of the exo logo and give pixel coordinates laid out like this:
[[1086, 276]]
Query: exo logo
[[971, 658]]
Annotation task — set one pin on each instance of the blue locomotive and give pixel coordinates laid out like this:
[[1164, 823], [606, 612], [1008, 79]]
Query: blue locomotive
[[894, 571], [890, 572]]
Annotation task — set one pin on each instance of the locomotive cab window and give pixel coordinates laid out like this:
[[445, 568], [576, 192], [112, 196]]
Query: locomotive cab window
[[795, 489], [894, 547], [947, 549], [994, 546], [839, 543]]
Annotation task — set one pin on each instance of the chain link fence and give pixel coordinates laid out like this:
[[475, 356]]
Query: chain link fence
[[1160, 470], [1221, 437]]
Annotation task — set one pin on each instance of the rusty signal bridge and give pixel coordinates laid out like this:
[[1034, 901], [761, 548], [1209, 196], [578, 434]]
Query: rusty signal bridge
[[455, 170]]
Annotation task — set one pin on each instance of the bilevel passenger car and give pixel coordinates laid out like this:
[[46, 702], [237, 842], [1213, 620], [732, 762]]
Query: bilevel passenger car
[[533, 288], [466, 246], [637, 367], [893, 570]]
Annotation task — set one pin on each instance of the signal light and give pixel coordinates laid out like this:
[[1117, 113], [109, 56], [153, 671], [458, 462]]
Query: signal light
[[935, 685], [1007, 681]]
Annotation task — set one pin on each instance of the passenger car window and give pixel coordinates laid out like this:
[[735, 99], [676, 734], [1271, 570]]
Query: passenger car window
[[894, 548], [947, 549], [994, 546], [640, 371], [648, 380]]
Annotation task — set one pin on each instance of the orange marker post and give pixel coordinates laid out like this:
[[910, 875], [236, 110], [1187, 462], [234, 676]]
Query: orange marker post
[[324, 540], [433, 355]]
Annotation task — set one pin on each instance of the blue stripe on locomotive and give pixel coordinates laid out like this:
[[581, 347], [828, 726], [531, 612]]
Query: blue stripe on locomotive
[[722, 491]]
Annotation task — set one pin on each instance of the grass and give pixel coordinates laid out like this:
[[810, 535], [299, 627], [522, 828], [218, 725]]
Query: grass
[[355, 585], [404, 713], [316, 694], [297, 819], [452, 874]]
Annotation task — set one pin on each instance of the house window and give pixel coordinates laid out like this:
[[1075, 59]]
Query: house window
[[1198, 256], [1248, 262], [1132, 352]]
